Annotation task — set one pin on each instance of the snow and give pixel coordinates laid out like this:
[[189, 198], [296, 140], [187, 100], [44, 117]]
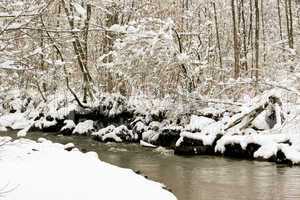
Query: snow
[[155, 125], [207, 135], [183, 57], [269, 144], [69, 146], [103, 131], [139, 127], [21, 124], [35, 171], [291, 153], [117, 28], [111, 136], [8, 65], [43, 140], [267, 141], [68, 125], [15, 121], [172, 127], [79, 9], [213, 110], [3, 129], [146, 144], [207, 139], [61, 113], [116, 134], [44, 123], [57, 107], [23, 132], [92, 154], [198, 123], [9, 119], [150, 136], [85, 127], [260, 122]]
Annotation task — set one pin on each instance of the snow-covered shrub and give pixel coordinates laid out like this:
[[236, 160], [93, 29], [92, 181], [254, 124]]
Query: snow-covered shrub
[[145, 54]]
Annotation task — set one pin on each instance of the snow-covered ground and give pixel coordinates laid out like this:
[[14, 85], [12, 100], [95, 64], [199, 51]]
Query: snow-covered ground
[[45, 170], [263, 128]]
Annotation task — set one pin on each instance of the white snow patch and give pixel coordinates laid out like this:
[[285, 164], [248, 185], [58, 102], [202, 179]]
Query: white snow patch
[[269, 143], [291, 153], [146, 144], [69, 146], [3, 129], [103, 131], [260, 121], [150, 136], [116, 134], [44, 123], [84, 127], [207, 135], [68, 125], [36, 171], [92, 154], [16, 121], [198, 123], [117, 28], [112, 136]]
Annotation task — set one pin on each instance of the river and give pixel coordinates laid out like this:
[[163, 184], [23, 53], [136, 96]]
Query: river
[[195, 177]]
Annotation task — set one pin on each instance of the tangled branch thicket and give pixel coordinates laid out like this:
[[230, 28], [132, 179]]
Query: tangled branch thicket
[[213, 49]]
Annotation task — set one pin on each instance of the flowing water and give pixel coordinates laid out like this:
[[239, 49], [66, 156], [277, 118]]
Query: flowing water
[[197, 177]]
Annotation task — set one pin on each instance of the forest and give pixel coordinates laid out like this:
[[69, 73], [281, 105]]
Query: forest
[[206, 49], [113, 99]]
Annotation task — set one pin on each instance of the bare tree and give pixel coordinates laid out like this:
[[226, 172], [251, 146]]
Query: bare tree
[[257, 29], [236, 43]]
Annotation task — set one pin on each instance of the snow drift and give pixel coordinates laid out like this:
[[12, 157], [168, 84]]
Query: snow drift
[[45, 170]]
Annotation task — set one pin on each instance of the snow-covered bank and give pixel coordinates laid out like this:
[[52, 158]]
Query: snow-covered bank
[[45, 170], [246, 132], [262, 131]]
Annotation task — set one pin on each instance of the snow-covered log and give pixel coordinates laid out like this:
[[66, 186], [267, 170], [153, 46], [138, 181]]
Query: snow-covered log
[[268, 105]]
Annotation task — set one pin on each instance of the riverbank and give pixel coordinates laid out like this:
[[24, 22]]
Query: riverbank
[[218, 177], [46, 170], [263, 129]]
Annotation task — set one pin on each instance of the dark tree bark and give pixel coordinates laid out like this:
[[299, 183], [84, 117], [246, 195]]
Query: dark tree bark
[[257, 13], [80, 49], [244, 36], [279, 19], [218, 36], [235, 42]]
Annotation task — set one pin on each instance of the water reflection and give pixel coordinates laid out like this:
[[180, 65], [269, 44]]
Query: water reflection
[[199, 178]]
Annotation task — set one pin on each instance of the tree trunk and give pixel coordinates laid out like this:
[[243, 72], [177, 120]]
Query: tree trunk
[[291, 25], [244, 36], [218, 37], [80, 50], [257, 13], [289, 22], [263, 31], [250, 39], [279, 19], [235, 43]]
